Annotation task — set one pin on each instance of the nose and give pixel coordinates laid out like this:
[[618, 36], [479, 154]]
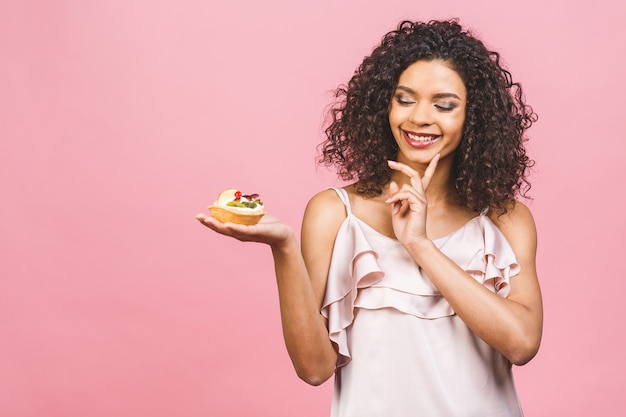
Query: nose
[[421, 114]]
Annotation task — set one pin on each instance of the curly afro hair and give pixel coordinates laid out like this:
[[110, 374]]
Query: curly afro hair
[[491, 165]]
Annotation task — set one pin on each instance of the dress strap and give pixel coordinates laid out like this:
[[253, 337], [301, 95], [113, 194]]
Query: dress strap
[[343, 195]]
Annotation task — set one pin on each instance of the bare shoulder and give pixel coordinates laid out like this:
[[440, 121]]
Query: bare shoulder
[[517, 218], [518, 225], [328, 196], [324, 207], [322, 218]]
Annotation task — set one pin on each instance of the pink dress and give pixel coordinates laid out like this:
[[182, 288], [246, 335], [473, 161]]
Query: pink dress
[[402, 349]]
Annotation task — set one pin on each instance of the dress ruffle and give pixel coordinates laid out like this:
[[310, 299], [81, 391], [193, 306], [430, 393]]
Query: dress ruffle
[[355, 265], [497, 264], [359, 281]]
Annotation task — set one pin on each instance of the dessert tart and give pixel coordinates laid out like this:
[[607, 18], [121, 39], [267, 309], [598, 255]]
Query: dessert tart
[[235, 207]]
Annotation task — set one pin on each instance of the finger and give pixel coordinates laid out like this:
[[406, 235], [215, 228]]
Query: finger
[[393, 188], [393, 191], [204, 219], [405, 169], [409, 195], [208, 220], [399, 193], [430, 170], [407, 200], [227, 228], [412, 191], [414, 176], [201, 217]]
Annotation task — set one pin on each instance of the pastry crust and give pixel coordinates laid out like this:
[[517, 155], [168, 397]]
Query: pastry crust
[[234, 215]]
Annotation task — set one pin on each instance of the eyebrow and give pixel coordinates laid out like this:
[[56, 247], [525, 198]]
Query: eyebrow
[[438, 95]]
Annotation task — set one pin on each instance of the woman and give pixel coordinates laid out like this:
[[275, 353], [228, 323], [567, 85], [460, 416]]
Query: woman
[[416, 284]]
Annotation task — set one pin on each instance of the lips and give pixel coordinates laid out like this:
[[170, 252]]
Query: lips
[[420, 140]]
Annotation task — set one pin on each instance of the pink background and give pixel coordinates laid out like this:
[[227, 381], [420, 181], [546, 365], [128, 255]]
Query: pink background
[[121, 119]]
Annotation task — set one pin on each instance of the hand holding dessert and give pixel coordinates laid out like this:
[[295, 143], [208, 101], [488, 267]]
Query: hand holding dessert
[[244, 218]]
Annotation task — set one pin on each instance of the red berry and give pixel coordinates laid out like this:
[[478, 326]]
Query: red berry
[[237, 195]]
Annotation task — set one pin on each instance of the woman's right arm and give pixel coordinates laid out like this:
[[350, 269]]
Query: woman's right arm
[[302, 290], [301, 277]]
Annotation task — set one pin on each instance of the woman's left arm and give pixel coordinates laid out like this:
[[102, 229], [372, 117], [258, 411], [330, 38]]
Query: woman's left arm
[[511, 325]]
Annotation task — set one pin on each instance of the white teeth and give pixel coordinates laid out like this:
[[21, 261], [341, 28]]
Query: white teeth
[[420, 138]]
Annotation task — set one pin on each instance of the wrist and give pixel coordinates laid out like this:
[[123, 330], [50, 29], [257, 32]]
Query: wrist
[[419, 249], [285, 247]]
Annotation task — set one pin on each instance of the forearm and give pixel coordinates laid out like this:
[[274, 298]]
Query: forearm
[[304, 328], [506, 325]]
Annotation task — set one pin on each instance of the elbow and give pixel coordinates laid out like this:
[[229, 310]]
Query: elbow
[[523, 352], [522, 344], [314, 380], [521, 359], [315, 375], [314, 366]]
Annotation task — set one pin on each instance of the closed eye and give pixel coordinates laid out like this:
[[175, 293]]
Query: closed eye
[[446, 106], [403, 100]]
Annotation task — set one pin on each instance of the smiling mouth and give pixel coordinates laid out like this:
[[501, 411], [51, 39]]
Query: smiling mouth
[[420, 140]]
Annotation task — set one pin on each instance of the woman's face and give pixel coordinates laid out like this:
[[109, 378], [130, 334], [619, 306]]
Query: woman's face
[[427, 111]]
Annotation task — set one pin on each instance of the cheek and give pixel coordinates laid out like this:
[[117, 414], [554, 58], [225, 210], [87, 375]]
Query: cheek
[[392, 116], [398, 115], [454, 125]]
